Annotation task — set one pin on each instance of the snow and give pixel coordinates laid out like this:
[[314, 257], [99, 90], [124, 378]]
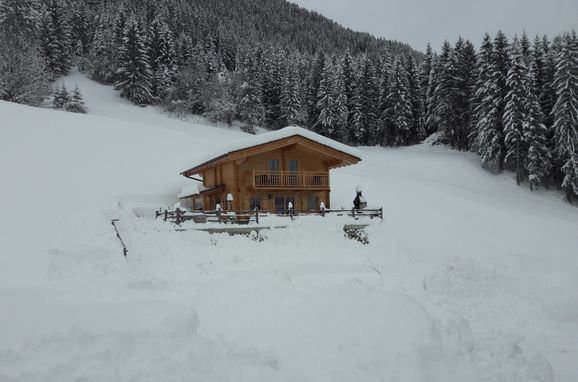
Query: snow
[[276, 135], [191, 189], [468, 278]]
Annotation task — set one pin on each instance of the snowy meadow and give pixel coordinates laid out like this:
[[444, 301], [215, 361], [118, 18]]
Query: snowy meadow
[[468, 278]]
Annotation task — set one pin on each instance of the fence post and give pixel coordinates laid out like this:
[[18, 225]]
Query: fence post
[[353, 212], [166, 215], [381, 213], [257, 215]]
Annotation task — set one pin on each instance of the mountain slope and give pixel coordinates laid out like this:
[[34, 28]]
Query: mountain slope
[[468, 278]]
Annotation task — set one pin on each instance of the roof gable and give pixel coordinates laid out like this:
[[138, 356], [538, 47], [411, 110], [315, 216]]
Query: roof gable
[[344, 155]]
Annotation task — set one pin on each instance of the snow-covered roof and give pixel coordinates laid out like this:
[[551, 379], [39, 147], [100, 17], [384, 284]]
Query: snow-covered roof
[[192, 189], [276, 135]]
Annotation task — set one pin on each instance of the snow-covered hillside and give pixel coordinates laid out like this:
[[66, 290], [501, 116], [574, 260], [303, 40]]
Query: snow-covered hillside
[[468, 278]]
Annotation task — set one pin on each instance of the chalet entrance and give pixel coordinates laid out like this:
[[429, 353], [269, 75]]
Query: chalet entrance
[[282, 203]]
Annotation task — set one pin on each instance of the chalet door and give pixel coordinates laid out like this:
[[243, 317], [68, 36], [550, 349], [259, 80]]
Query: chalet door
[[282, 203]]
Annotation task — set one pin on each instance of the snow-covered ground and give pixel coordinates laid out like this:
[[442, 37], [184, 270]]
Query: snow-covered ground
[[468, 278]]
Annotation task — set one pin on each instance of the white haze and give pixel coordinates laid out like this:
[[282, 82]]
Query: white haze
[[418, 22]]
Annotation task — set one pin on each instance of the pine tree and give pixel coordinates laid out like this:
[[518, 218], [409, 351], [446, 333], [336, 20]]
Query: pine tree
[[134, 72], [366, 97], [313, 88], [382, 118], [291, 105], [272, 86], [514, 114], [20, 16], [425, 69], [61, 98], [565, 113], [480, 104], [80, 36], [327, 121], [489, 122], [22, 74], [251, 110], [161, 57], [538, 157], [399, 111], [417, 133], [547, 96], [443, 116], [464, 63], [76, 103], [348, 75], [56, 38], [431, 100]]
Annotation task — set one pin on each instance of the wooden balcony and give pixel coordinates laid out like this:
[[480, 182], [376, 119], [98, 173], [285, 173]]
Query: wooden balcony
[[290, 180]]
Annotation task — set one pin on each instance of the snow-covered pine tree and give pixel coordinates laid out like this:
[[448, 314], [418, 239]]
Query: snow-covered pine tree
[[313, 87], [22, 74], [134, 72], [55, 37], [514, 113], [251, 110], [291, 104], [20, 16], [399, 107], [489, 122], [565, 113], [366, 97], [525, 49], [383, 107], [348, 75], [538, 158], [443, 116], [547, 96], [424, 71], [431, 100], [184, 50], [417, 133], [464, 63], [76, 103], [341, 106], [162, 57], [80, 33], [272, 87], [61, 98], [481, 91]]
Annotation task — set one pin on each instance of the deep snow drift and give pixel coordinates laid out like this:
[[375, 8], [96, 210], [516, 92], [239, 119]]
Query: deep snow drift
[[468, 278]]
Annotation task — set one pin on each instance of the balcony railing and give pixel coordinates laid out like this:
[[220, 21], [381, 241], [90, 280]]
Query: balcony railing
[[290, 179]]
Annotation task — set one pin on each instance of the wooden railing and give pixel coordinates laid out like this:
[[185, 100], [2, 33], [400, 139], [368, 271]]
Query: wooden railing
[[290, 179]]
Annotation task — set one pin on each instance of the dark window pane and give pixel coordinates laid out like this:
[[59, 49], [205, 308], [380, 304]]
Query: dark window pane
[[273, 164]]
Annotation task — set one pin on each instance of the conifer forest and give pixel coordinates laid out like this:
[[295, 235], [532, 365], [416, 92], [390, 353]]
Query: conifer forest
[[270, 63]]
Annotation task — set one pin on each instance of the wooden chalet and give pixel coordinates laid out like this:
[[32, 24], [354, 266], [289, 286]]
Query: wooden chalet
[[268, 171]]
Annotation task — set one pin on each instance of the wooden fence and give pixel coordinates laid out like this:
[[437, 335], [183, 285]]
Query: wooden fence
[[179, 216]]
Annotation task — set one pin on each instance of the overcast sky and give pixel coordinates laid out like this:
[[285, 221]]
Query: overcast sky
[[418, 22]]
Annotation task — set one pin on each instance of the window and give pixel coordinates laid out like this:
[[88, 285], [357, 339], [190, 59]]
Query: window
[[273, 164], [293, 177], [255, 203], [313, 203], [293, 165]]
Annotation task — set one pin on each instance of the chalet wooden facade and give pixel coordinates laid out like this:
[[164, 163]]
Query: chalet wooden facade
[[269, 171]]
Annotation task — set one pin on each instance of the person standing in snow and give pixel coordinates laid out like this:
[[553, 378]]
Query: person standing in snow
[[359, 202]]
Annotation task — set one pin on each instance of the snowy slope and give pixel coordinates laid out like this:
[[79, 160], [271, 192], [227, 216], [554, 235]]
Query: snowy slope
[[476, 276]]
